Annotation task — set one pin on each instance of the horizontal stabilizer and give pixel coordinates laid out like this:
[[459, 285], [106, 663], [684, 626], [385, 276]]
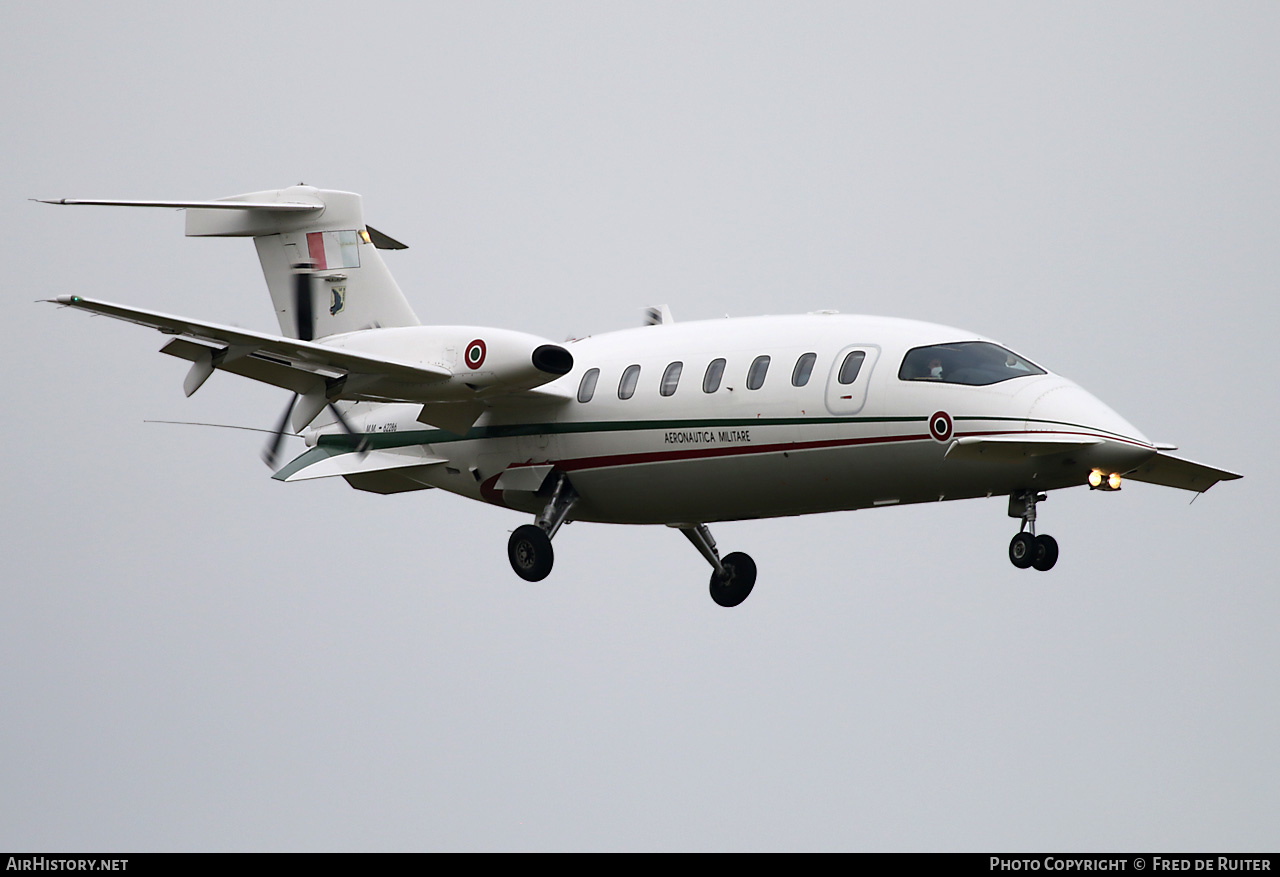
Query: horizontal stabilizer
[[327, 461], [274, 206], [1015, 447], [301, 231], [1171, 471]]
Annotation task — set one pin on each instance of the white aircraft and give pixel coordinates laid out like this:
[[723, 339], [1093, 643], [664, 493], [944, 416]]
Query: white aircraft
[[681, 424]]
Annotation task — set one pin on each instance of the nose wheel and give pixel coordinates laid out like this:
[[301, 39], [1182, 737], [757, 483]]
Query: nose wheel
[[1026, 549]]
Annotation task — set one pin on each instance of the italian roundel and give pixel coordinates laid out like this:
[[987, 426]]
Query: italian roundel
[[940, 426], [475, 354]]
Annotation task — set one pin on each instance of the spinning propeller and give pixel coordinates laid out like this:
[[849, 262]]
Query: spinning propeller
[[303, 309]]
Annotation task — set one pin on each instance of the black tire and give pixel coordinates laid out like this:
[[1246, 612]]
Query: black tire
[[740, 577], [529, 551], [1022, 550], [1046, 553]]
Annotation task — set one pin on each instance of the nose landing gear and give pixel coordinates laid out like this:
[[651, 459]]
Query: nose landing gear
[[1026, 549]]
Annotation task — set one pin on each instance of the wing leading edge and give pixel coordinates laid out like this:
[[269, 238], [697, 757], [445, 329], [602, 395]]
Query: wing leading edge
[[302, 366]]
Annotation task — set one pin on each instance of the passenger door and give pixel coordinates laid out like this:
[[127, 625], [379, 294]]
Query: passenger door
[[850, 377]]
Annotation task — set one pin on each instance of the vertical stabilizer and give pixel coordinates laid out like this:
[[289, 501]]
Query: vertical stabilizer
[[325, 237]]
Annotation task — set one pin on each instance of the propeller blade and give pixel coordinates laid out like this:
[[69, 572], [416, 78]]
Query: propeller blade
[[302, 303], [303, 308], [272, 450], [362, 445]]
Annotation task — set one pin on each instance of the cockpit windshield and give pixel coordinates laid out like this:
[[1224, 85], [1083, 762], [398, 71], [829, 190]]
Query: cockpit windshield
[[975, 363]]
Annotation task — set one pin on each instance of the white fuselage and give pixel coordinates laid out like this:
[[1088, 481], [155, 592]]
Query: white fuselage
[[693, 456]]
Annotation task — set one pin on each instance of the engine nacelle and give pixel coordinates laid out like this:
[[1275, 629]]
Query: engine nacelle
[[483, 360]]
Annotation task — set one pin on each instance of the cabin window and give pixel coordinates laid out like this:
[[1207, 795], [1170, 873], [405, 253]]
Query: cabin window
[[671, 378], [804, 368], [587, 388], [627, 386], [851, 366], [976, 363], [755, 374], [711, 380]]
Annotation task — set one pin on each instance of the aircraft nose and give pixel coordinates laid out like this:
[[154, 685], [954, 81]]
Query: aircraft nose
[[1067, 406]]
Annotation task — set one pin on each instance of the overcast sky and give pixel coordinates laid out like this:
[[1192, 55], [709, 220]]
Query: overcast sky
[[196, 657]]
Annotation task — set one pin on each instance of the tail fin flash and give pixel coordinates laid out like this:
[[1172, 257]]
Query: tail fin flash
[[303, 229]]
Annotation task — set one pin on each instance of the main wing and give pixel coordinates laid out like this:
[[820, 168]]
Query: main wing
[[305, 367], [320, 373]]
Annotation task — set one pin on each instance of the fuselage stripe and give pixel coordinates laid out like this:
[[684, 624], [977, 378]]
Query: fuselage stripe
[[378, 441], [632, 459]]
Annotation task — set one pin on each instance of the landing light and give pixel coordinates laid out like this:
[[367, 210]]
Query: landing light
[[1100, 481]]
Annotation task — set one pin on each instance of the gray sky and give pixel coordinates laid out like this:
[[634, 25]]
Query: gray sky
[[195, 657]]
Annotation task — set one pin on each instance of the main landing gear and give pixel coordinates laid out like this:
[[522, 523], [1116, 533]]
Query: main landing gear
[[1027, 549], [735, 574], [529, 548]]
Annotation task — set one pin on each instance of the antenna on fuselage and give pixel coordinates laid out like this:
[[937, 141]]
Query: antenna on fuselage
[[658, 315]]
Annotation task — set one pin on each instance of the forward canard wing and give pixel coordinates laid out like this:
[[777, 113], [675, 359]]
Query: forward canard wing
[[1015, 447], [1170, 471], [1161, 468]]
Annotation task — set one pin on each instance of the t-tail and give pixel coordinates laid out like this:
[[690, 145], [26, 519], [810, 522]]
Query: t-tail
[[318, 232]]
